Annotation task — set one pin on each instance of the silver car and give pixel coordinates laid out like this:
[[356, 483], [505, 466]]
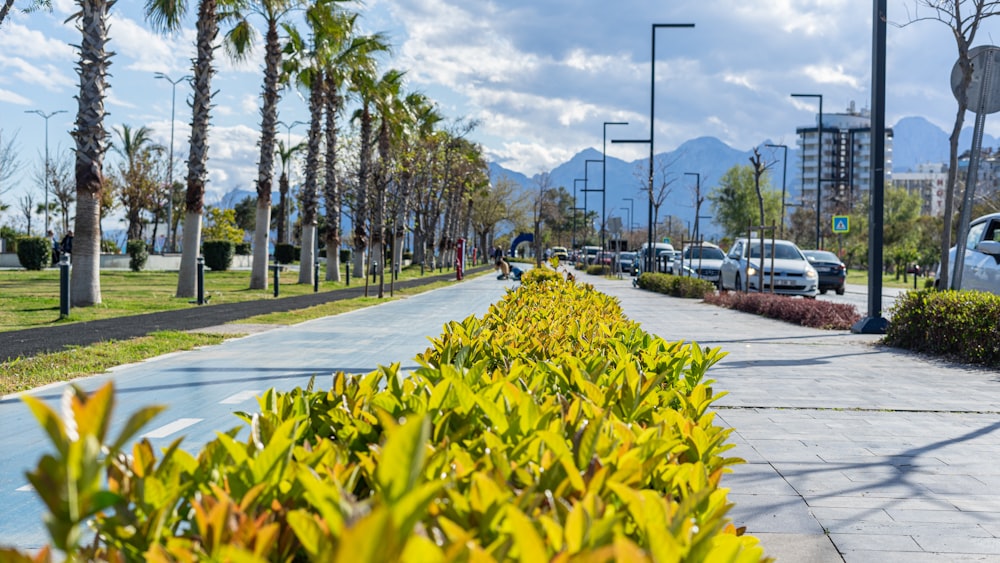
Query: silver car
[[981, 270], [792, 274], [705, 260]]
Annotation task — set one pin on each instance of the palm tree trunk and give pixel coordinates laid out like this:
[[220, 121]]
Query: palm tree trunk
[[91, 143], [331, 183], [194, 200], [308, 195], [265, 169]]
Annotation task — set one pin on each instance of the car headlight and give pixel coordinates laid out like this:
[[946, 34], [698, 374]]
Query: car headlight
[[811, 273], [751, 271]]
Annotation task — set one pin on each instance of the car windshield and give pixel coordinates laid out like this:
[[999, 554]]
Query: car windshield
[[821, 256], [782, 251], [703, 253]]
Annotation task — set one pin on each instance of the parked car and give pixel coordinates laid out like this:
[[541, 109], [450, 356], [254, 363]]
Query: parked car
[[704, 259], [981, 270], [627, 261], [832, 272], [560, 253], [659, 248], [792, 273]]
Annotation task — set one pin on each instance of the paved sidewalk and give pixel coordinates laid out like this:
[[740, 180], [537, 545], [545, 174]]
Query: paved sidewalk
[[854, 451]]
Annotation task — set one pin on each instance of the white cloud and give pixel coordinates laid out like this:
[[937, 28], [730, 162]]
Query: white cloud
[[48, 76], [20, 41], [831, 75], [140, 49], [13, 98]]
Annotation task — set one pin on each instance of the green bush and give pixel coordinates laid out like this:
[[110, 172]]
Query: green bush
[[109, 246], [34, 253], [956, 324], [599, 270], [345, 255], [138, 254], [218, 254], [540, 275], [550, 429], [676, 286], [286, 253], [244, 249]]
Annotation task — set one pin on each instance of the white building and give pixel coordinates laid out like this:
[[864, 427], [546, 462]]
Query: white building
[[846, 168], [929, 182]]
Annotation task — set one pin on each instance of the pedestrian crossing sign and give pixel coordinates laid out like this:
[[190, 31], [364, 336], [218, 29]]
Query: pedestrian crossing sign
[[841, 224]]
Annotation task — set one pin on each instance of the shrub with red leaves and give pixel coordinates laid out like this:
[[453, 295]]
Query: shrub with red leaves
[[806, 312]]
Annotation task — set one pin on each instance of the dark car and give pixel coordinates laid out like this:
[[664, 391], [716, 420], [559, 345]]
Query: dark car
[[832, 272]]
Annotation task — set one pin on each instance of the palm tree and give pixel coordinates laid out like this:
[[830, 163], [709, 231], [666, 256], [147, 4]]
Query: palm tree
[[166, 15], [273, 12], [390, 112], [136, 146], [286, 154], [35, 5], [91, 144], [354, 53]]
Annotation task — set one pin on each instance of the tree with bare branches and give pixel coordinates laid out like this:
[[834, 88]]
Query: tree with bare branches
[[963, 18]]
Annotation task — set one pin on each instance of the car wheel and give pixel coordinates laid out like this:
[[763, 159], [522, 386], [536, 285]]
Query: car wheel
[[822, 291], [840, 290], [737, 285]]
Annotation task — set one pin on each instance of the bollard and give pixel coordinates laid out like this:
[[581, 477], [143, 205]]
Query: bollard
[[276, 269], [64, 286], [201, 280], [316, 275], [348, 278]]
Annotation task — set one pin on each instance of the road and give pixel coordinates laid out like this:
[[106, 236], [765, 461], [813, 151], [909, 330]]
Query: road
[[857, 295], [203, 388]]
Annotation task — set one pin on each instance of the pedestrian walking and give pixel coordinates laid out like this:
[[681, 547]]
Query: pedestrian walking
[[66, 246]]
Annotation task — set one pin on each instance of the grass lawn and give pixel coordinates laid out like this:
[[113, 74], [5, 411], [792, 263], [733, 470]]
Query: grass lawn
[[31, 299], [860, 277]]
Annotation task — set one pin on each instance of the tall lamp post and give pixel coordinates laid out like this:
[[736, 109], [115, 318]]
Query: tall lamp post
[[631, 213], [46, 117], [604, 173], [784, 174], [652, 123], [284, 169], [697, 200], [629, 217], [575, 209], [819, 163], [586, 190], [171, 239]]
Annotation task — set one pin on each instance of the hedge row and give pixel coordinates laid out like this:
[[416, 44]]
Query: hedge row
[[550, 429], [812, 313], [677, 286], [964, 325]]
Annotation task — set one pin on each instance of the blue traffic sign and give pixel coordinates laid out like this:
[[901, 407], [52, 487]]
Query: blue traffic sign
[[841, 224]]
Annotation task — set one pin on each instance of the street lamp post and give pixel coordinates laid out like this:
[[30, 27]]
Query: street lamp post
[[46, 117], [604, 173], [171, 239], [284, 169], [784, 173], [586, 189], [819, 163], [575, 209], [631, 204], [697, 200], [652, 122]]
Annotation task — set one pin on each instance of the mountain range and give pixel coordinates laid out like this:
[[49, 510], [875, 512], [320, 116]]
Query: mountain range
[[916, 141]]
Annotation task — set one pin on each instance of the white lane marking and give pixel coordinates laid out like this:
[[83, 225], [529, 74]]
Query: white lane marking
[[240, 397], [25, 489], [175, 426]]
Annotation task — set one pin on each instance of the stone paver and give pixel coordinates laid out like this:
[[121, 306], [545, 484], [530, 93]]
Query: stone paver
[[872, 453]]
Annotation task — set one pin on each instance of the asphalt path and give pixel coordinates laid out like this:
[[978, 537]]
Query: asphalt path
[[35, 341], [203, 388]]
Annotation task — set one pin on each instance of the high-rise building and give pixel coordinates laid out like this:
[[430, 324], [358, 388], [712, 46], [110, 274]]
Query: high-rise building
[[928, 182], [846, 167]]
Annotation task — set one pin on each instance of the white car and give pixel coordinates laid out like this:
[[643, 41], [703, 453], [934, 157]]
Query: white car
[[981, 270], [792, 273], [704, 259]]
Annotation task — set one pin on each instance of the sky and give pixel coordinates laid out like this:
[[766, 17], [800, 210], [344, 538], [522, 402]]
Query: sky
[[540, 76]]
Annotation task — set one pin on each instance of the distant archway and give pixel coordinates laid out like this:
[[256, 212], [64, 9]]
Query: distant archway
[[523, 237]]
